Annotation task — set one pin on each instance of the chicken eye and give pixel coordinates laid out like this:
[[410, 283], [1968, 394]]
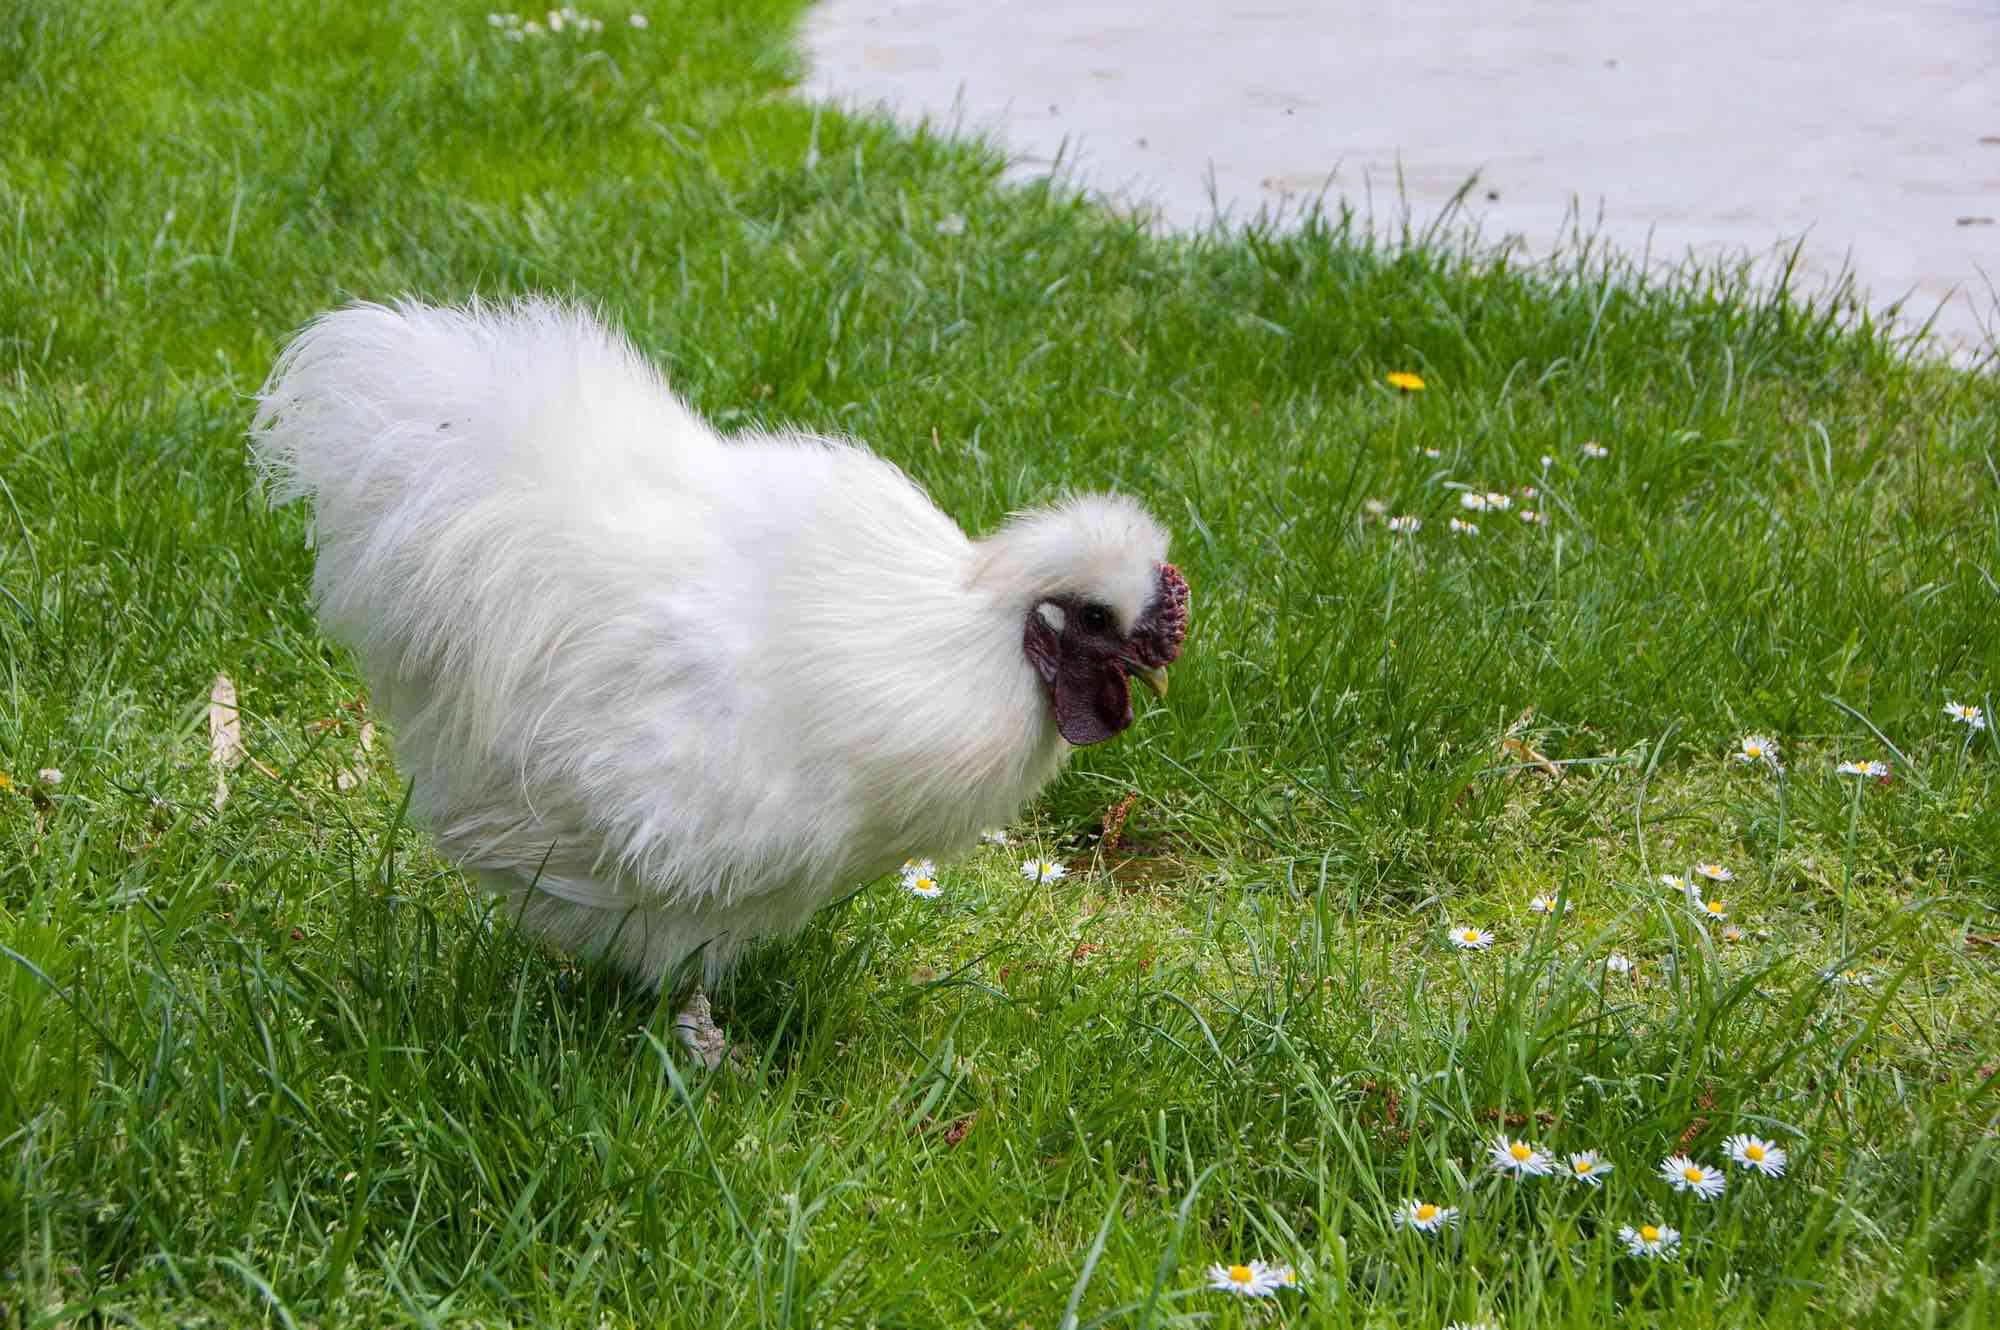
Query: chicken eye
[[1095, 618]]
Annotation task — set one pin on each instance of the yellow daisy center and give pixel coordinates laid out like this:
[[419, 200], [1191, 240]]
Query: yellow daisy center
[[1584, 1166], [925, 884], [1754, 1153], [1754, 750], [1239, 1274], [1427, 1212], [1519, 1151], [1649, 1233], [1692, 1174], [1470, 935]]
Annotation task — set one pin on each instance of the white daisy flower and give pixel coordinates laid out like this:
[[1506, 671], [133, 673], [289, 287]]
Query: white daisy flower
[[1714, 872], [1588, 1167], [1732, 934], [1652, 1241], [1534, 518], [1852, 978], [1762, 1156], [1755, 748], [1423, 1216], [1617, 963], [532, 28], [1683, 1174], [1406, 524], [1431, 453], [1519, 1158], [1966, 715], [1711, 909], [1464, 528], [923, 884], [1469, 938], [1543, 902], [1043, 870], [1677, 882], [1863, 768], [1472, 503], [1250, 1281], [1526, 492], [1374, 507], [1499, 502], [1283, 1276], [993, 836], [1547, 461], [49, 776], [1597, 450], [640, 21], [918, 868]]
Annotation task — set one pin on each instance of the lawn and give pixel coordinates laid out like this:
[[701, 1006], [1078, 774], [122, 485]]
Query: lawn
[[270, 1061]]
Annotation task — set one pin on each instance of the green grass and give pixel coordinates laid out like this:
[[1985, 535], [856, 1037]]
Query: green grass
[[274, 1064]]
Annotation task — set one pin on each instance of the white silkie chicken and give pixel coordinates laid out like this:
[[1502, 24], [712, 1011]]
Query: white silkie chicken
[[666, 692]]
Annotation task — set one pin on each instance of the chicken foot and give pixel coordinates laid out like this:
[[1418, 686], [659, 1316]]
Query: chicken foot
[[695, 1027]]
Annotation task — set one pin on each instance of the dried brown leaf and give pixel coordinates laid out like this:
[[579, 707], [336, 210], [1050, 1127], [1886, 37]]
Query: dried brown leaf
[[225, 734], [1114, 819], [1527, 756]]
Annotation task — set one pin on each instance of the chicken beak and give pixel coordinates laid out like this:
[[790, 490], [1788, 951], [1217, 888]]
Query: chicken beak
[[1154, 677]]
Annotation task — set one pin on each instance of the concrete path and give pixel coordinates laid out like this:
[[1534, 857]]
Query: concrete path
[[1870, 130]]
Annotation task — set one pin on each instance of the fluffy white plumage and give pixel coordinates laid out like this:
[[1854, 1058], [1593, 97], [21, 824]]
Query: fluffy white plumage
[[664, 692]]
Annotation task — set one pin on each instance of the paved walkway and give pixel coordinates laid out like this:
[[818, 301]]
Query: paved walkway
[[1872, 130]]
